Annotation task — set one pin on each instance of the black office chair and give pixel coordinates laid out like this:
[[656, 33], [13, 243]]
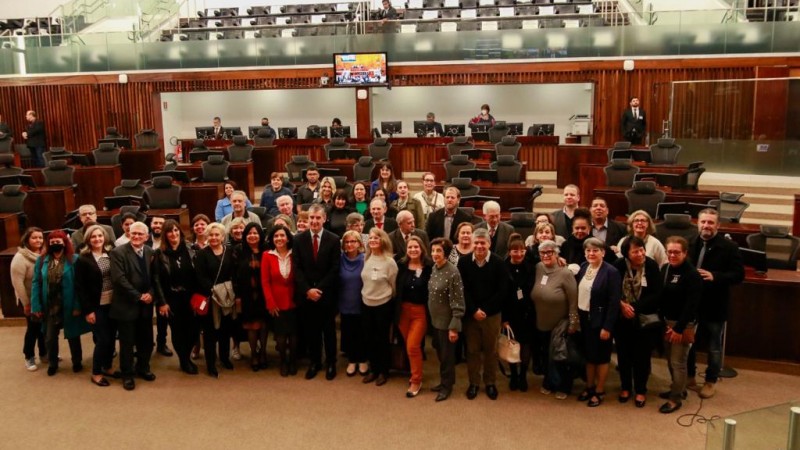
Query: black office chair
[[261, 212], [781, 248], [336, 143], [297, 165], [146, 139], [112, 133], [465, 186], [497, 132], [6, 167], [459, 143], [116, 219], [644, 196], [106, 155], [25, 156], [129, 187], [691, 178], [619, 145], [456, 164], [676, 225], [263, 138], [730, 206], [240, 151], [215, 170], [162, 194], [620, 172], [58, 173], [508, 145], [523, 222], [362, 169], [12, 201], [379, 149], [6, 143], [509, 170], [53, 152], [665, 152]]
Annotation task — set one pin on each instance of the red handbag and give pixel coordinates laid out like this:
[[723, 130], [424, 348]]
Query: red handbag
[[199, 304]]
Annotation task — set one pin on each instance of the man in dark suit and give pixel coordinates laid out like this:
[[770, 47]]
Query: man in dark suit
[[498, 231], [405, 229], [720, 265], [633, 123], [388, 12], [218, 131], [377, 212], [444, 222], [562, 218], [603, 228], [87, 214], [315, 257], [132, 302], [432, 127], [36, 138]]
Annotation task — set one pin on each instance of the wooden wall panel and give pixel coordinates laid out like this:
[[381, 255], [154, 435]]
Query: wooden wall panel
[[77, 108]]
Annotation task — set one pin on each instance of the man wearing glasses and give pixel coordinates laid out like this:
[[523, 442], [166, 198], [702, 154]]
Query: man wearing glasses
[[428, 197], [88, 216]]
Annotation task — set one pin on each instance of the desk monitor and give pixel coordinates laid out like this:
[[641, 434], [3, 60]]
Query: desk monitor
[[541, 129], [316, 132], [755, 259], [392, 127], [665, 208], [423, 128], [340, 131], [673, 180], [287, 133], [489, 175], [693, 209], [181, 176], [453, 129], [514, 128], [642, 155], [622, 154], [232, 131], [112, 203], [25, 180], [76, 158], [252, 131], [343, 153], [204, 132], [118, 142]]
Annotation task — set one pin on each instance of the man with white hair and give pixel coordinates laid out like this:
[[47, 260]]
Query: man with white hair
[[377, 211], [239, 205], [406, 227], [498, 231]]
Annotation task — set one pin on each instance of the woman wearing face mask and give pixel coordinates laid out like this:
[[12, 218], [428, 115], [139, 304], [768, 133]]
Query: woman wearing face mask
[[53, 300], [32, 244], [484, 118]]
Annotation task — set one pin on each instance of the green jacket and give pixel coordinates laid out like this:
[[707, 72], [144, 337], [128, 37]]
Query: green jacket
[[74, 325]]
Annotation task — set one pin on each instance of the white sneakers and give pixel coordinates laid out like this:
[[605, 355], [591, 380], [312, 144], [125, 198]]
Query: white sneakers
[[30, 364]]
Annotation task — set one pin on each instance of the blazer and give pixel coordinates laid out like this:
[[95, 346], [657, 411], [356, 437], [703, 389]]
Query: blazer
[[399, 244], [630, 126], [563, 229], [130, 283], [723, 260], [389, 224], [435, 224], [88, 283], [321, 273], [36, 134], [164, 281], [500, 239], [415, 208], [614, 232], [605, 296], [278, 291]]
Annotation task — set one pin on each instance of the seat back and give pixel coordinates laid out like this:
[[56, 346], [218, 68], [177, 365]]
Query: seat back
[[379, 149], [780, 247], [112, 133], [729, 206], [215, 170], [263, 137], [362, 170], [163, 194], [509, 170], [465, 186], [6, 167], [129, 187], [691, 178], [12, 198], [146, 139], [6, 144], [335, 143], [676, 225], [523, 222], [261, 212], [508, 145], [106, 156], [665, 152], [240, 151], [459, 143], [54, 151], [58, 173], [620, 172], [297, 166], [644, 196], [497, 132], [456, 164], [116, 219]]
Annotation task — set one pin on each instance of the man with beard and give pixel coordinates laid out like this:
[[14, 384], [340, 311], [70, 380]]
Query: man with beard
[[154, 242]]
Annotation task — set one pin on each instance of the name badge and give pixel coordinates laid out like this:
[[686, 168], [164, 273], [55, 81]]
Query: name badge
[[316, 194], [544, 280], [519, 294], [675, 279], [644, 281], [374, 275]]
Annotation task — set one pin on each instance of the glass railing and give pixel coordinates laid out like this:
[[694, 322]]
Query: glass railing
[[96, 52], [760, 428]]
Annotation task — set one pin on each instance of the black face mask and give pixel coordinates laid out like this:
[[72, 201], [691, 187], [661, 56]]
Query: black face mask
[[55, 248]]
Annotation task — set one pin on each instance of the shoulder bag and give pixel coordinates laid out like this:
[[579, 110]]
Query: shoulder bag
[[508, 348]]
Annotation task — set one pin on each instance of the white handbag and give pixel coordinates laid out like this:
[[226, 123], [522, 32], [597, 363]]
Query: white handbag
[[508, 348]]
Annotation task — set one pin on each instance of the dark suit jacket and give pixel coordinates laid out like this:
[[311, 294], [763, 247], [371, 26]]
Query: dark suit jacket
[[723, 260], [130, 283], [399, 244], [563, 228], [500, 239], [389, 14], [614, 232], [36, 135], [389, 224], [633, 129], [322, 273], [88, 283], [435, 224], [4, 128], [605, 296]]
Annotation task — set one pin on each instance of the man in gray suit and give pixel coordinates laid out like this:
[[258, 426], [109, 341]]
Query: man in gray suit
[[132, 274], [406, 227], [498, 231], [87, 214]]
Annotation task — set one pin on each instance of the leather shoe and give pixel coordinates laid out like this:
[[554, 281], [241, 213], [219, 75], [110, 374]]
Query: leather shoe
[[212, 372], [77, 367], [442, 395], [52, 370], [472, 391], [163, 350], [147, 376], [102, 382], [437, 388], [369, 378], [312, 371], [129, 384], [491, 391], [381, 380], [189, 368], [666, 408], [330, 372]]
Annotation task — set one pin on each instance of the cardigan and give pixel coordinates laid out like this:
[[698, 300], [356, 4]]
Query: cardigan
[[22, 275], [446, 297], [681, 295], [556, 299], [88, 283]]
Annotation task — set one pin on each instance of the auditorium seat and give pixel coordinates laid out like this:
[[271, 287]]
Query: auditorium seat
[[297, 165], [240, 151], [644, 196], [215, 170], [58, 173], [379, 149], [509, 170], [106, 155], [497, 132], [665, 151], [6, 143], [129, 187], [362, 169], [55, 151], [465, 186], [459, 143], [146, 139], [780, 247], [6, 165], [163, 194], [620, 172], [508, 145], [455, 165], [730, 206]]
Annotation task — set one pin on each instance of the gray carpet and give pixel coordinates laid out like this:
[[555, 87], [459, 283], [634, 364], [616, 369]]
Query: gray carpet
[[263, 410]]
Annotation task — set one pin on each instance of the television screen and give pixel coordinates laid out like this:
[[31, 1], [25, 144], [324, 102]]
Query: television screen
[[232, 131], [340, 131], [541, 129], [252, 131], [287, 133], [392, 127], [360, 69], [455, 130], [423, 128], [203, 132], [515, 128], [316, 132]]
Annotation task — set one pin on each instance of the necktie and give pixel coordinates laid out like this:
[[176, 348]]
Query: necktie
[[216, 130], [491, 233], [316, 245], [405, 236], [636, 113], [702, 255], [379, 225]]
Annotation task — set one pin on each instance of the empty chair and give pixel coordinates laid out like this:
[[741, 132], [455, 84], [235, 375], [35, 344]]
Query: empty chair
[[336, 143], [6, 143], [676, 225], [240, 151], [341, 183], [112, 133], [730, 206], [644, 195], [146, 139], [55, 151], [297, 166], [106, 155], [262, 214], [665, 152], [523, 223], [619, 145], [58, 173], [379, 149], [508, 145], [362, 169], [509, 170], [465, 186], [780, 247], [691, 178], [215, 170], [129, 187], [620, 172], [459, 143], [497, 132], [456, 164], [25, 156], [6, 165], [162, 194], [263, 138], [12, 199]]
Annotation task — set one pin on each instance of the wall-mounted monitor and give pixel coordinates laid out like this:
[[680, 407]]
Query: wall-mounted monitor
[[392, 127], [340, 131], [515, 128], [360, 69], [455, 130], [541, 129], [287, 133]]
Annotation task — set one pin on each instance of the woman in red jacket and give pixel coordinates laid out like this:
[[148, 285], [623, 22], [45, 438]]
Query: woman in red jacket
[[277, 281]]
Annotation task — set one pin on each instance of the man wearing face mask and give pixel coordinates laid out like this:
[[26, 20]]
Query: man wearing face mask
[[482, 119], [270, 130]]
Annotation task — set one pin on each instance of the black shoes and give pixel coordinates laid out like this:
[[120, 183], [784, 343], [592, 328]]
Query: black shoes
[[369, 378], [163, 350], [226, 363], [330, 372], [189, 367], [437, 388], [624, 398], [381, 380], [312, 371], [586, 394], [102, 382], [523, 383], [128, 384], [491, 392], [147, 376], [52, 370], [640, 403], [442, 395], [77, 367], [212, 372], [472, 391], [668, 408]]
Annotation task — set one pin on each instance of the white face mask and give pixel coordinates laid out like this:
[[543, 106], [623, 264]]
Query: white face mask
[[484, 112]]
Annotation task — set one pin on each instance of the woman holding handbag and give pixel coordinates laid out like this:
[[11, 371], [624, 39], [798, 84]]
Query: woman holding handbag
[[518, 310], [637, 324], [214, 265], [678, 305]]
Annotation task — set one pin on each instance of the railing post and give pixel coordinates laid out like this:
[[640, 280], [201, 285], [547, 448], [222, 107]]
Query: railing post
[[729, 435], [793, 441]]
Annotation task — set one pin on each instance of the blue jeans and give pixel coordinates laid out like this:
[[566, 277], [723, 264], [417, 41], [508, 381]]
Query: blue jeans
[[37, 156], [713, 332]]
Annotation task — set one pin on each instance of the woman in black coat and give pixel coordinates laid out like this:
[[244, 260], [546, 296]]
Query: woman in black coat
[[641, 288], [247, 286], [518, 310]]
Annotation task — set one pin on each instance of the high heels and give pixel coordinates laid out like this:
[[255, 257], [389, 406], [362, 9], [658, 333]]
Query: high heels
[[413, 390]]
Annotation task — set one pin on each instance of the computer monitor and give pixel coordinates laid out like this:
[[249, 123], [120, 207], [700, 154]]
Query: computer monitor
[[344, 153], [25, 180], [392, 127], [112, 203], [340, 131], [673, 180], [453, 129], [75, 158], [423, 128], [693, 209], [489, 175], [541, 129], [755, 259], [622, 154], [287, 133], [118, 142], [204, 132], [642, 155], [665, 208], [316, 132], [514, 128], [181, 176], [230, 132], [252, 131]]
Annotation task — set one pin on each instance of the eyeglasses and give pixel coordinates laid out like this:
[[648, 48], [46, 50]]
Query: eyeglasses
[[547, 253], [640, 221], [351, 242]]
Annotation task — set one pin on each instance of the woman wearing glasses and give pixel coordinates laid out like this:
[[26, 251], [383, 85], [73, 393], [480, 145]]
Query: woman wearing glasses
[[640, 224]]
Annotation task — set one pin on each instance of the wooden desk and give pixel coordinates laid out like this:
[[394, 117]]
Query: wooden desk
[[201, 198], [94, 182], [137, 164], [8, 300], [180, 215], [241, 173], [511, 194], [264, 163], [437, 168], [9, 230], [618, 204], [593, 176], [46, 207]]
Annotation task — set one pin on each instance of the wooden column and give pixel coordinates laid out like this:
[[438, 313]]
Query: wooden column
[[363, 112], [770, 104]]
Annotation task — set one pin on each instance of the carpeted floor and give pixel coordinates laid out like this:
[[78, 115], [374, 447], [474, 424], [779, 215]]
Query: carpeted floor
[[262, 410]]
